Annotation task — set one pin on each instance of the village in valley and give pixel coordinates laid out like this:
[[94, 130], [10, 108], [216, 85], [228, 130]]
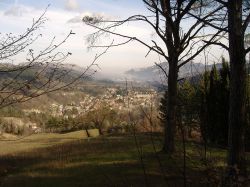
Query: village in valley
[[116, 98]]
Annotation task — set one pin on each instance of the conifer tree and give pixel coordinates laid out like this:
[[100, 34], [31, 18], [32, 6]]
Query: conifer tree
[[215, 105]]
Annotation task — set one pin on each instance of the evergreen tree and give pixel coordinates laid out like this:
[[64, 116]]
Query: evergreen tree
[[212, 104], [186, 105], [215, 105], [207, 103], [223, 106], [202, 95]]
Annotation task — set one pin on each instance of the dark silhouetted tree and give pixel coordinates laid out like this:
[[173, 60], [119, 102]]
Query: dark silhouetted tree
[[176, 44]]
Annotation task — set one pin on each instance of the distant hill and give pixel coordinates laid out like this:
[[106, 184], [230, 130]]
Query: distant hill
[[24, 72], [155, 74]]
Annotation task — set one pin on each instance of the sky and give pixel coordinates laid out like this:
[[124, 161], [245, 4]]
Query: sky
[[65, 15]]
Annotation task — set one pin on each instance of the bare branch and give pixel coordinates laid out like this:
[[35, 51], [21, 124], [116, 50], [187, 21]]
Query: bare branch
[[246, 22]]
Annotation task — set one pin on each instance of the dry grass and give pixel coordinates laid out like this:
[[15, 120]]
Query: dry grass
[[94, 132], [15, 144], [107, 161]]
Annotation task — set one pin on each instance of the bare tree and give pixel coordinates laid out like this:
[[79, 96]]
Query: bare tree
[[98, 115], [237, 53], [236, 18], [38, 72], [176, 44]]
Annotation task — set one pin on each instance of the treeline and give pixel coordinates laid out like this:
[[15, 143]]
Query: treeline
[[203, 105]]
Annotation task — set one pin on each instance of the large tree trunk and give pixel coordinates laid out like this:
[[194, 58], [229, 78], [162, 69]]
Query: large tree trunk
[[170, 126], [237, 109]]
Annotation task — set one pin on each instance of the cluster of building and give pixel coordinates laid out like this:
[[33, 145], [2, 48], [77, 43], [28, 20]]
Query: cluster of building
[[115, 98]]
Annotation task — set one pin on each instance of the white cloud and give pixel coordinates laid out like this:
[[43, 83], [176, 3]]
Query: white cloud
[[16, 10], [76, 19], [131, 55], [71, 5]]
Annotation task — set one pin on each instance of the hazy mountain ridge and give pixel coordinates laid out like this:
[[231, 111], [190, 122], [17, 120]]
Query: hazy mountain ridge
[[28, 72], [154, 73]]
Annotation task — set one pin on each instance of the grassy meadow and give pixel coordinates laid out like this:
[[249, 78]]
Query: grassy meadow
[[71, 159], [25, 144]]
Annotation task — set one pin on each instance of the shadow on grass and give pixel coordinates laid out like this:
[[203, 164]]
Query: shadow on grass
[[107, 161]]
